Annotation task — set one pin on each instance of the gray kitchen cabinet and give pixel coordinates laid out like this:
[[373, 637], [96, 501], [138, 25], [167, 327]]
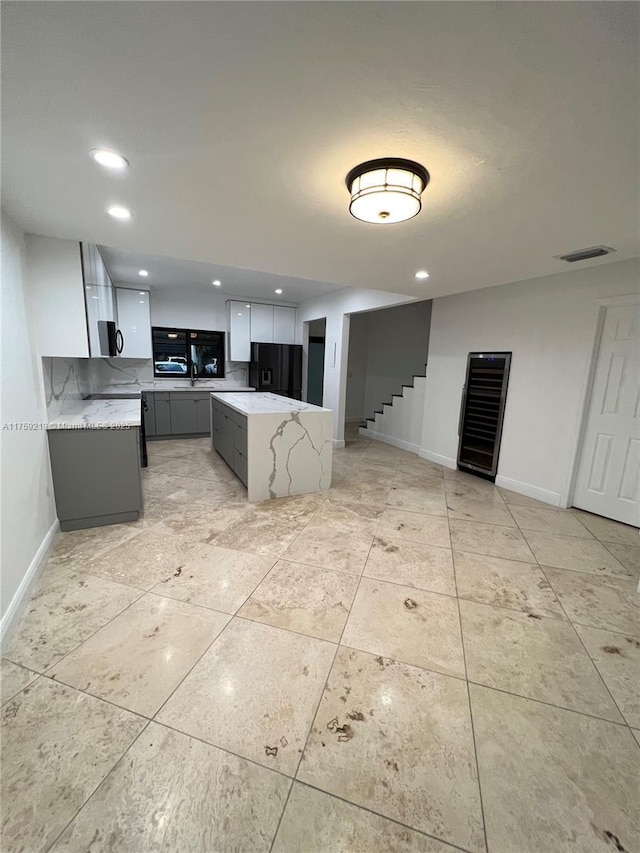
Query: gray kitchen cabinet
[[96, 476], [183, 414], [203, 415], [163, 413], [229, 437]]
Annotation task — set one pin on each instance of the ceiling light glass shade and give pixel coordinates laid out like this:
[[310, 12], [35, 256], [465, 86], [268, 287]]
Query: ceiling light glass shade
[[386, 191]]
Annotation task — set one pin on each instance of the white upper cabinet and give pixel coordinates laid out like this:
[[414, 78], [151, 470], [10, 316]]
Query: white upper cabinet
[[93, 268], [261, 323], [134, 321], [272, 324], [284, 325], [239, 340], [100, 306], [56, 289]]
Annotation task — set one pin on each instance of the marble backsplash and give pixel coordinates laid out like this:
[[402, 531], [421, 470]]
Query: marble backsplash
[[130, 372], [66, 380]]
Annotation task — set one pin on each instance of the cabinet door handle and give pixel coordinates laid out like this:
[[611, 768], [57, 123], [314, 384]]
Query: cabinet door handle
[[119, 341]]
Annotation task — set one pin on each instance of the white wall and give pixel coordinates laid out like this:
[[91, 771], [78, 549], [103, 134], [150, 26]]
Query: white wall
[[28, 508], [549, 324], [337, 308]]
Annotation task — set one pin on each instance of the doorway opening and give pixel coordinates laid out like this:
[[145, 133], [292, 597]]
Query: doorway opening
[[315, 361]]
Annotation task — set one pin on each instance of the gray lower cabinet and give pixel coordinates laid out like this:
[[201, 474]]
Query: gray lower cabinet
[[183, 415], [229, 438], [177, 413], [96, 476], [162, 406]]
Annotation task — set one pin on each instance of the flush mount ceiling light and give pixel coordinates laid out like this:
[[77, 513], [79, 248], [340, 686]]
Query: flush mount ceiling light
[[387, 190], [216, 283], [422, 274], [119, 212], [143, 273], [109, 158], [278, 290]]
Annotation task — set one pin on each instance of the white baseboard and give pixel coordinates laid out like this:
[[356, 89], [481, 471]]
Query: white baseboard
[[544, 495], [389, 439], [445, 461], [337, 444], [19, 601]]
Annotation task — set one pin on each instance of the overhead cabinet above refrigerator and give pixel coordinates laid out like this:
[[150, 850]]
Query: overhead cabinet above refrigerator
[[484, 397]]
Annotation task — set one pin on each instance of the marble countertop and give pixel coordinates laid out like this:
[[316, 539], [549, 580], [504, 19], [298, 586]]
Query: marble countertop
[[260, 403], [98, 414]]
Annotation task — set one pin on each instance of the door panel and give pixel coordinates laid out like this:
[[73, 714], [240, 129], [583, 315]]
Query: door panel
[[608, 471]]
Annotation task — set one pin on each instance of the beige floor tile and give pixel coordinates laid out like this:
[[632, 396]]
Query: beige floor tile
[[554, 780], [254, 693], [215, 577], [406, 624], [478, 509], [516, 499], [173, 793], [430, 500], [598, 602], [64, 615], [331, 546], [559, 521], [315, 822], [536, 657], [578, 555], [608, 530], [411, 564], [636, 734], [74, 548], [617, 658], [461, 485], [268, 530], [57, 746], [139, 658], [146, 559], [301, 598], [196, 521], [397, 739], [627, 555], [354, 515], [13, 679], [412, 464], [417, 479], [414, 527], [505, 583], [489, 539]]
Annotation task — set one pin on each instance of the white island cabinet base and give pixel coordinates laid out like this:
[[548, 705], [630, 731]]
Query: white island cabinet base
[[277, 446]]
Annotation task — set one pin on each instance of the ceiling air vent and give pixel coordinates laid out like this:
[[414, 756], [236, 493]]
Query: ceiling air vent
[[585, 254]]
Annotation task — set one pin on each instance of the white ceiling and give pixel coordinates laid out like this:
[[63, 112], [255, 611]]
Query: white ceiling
[[167, 272], [241, 120]]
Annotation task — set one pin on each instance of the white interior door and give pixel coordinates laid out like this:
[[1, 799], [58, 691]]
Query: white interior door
[[609, 467]]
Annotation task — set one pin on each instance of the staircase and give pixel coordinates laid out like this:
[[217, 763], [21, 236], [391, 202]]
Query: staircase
[[400, 422]]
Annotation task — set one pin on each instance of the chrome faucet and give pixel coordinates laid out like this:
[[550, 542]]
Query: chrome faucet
[[194, 374]]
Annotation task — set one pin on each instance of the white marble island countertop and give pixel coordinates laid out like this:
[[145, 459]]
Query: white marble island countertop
[[202, 385], [99, 414], [261, 403]]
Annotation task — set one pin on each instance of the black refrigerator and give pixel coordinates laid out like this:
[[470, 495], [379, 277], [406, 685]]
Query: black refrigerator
[[277, 368]]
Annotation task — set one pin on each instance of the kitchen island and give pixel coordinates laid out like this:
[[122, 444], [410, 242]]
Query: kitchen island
[[276, 446]]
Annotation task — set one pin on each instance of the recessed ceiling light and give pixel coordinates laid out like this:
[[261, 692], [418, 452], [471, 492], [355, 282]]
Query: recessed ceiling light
[[216, 283], [109, 158], [422, 274], [143, 273], [119, 212], [278, 290], [247, 305], [142, 292]]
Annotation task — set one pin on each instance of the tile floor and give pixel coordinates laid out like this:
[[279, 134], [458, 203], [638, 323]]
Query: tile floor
[[415, 661]]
